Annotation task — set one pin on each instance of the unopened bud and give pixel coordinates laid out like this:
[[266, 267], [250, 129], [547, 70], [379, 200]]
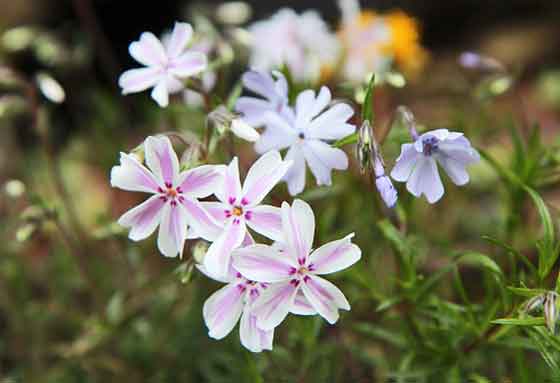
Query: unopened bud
[[550, 310], [533, 303], [364, 147], [199, 251], [472, 60], [225, 120]]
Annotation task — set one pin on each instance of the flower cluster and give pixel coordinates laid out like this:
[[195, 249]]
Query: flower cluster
[[264, 282]]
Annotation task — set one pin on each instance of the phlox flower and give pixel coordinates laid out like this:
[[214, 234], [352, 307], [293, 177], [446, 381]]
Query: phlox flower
[[239, 207], [165, 66], [234, 301], [273, 98], [294, 269], [303, 43], [306, 135], [173, 204], [383, 184], [417, 163]]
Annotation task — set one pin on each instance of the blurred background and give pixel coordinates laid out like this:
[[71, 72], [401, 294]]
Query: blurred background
[[81, 303]]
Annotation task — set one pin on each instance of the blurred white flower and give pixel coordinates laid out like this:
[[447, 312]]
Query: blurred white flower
[[304, 43], [165, 65]]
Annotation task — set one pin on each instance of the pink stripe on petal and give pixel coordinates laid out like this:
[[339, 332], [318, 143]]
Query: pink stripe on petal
[[217, 210], [253, 338], [232, 185], [263, 263], [325, 297], [274, 304], [217, 259], [161, 159], [266, 220], [143, 219], [335, 256], [263, 176], [222, 310], [133, 176], [302, 306], [172, 230], [201, 181], [298, 223], [202, 222]]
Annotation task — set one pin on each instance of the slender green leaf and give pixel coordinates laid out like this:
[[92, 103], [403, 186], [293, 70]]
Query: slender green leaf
[[532, 321]]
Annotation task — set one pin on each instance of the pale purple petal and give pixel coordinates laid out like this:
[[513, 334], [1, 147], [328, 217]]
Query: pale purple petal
[[143, 219], [137, 80], [386, 190], [322, 158], [302, 306], [455, 170], [253, 338], [180, 37], [335, 256], [161, 159], [131, 175], [264, 264], [172, 230], [160, 93], [148, 50], [266, 220], [425, 180], [222, 310], [262, 177], [231, 190], [201, 181], [217, 259], [325, 297], [188, 64], [321, 102], [278, 134], [252, 110], [295, 176], [260, 83], [405, 163], [298, 225], [230, 277], [305, 104], [274, 304], [201, 221], [331, 125]]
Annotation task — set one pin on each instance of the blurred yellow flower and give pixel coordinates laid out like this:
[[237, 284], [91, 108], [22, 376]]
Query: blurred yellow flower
[[372, 42]]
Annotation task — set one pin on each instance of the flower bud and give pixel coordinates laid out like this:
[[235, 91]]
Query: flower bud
[[550, 309], [386, 190], [225, 120], [533, 303], [365, 147]]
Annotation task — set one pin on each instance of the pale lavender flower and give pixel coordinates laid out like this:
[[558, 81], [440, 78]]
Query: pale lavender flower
[[384, 185], [417, 163], [240, 207], [303, 43], [165, 65], [174, 203], [307, 135], [223, 309], [296, 269], [273, 97]]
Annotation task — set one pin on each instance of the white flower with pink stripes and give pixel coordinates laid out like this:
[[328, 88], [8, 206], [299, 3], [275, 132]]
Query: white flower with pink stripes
[[293, 270], [239, 207], [223, 309], [166, 65], [174, 203]]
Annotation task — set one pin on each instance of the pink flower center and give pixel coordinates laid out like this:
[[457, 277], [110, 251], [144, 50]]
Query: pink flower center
[[171, 193]]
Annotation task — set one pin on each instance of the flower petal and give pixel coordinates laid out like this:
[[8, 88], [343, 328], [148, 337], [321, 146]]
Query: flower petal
[[143, 219], [405, 163], [137, 80], [217, 259], [222, 310], [455, 170], [278, 134], [298, 225], [188, 64], [263, 176], [217, 210], [260, 83], [161, 159], [253, 338], [160, 93], [322, 158], [243, 130], [274, 304], [172, 230], [302, 306], [201, 221], [325, 297], [133, 176], [305, 103], [201, 181], [335, 256], [148, 50], [266, 220], [425, 180], [262, 263], [180, 37], [231, 190], [331, 125], [295, 176], [252, 110]]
